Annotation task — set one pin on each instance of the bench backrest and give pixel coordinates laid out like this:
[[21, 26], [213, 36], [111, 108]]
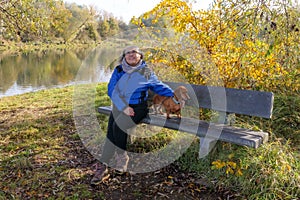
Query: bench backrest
[[247, 102]]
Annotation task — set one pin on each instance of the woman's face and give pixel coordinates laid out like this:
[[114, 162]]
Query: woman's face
[[132, 57]]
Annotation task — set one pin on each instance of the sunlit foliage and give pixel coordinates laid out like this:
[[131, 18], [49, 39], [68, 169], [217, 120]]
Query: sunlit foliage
[[29, 20], [250, 44]]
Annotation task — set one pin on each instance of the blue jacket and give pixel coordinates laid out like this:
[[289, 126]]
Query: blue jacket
[[125, 88]]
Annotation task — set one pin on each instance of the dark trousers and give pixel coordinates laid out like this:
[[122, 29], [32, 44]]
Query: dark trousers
[[118, 123]]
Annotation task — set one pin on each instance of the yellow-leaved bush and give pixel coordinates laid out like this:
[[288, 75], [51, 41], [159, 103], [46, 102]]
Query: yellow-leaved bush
[[230, 46]]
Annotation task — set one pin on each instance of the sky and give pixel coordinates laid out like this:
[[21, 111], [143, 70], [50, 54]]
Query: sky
[[126, 9]]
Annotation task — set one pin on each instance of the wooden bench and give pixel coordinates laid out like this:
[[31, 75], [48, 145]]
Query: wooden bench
[[225, 102]]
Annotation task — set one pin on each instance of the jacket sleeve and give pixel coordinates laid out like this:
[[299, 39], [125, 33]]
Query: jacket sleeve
[[159, 87], [113, 92]]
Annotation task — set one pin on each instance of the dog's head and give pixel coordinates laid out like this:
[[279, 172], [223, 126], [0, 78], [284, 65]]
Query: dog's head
[[182, 95]]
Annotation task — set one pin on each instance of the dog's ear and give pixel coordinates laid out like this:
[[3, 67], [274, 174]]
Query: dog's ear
[[177, 93], [187, 95], [181, 93], [184, 92]]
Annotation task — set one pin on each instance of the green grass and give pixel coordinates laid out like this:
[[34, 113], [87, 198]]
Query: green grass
[[42, 156], [35, 131]]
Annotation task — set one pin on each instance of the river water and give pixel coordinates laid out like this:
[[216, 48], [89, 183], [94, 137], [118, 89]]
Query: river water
[[29, 72]]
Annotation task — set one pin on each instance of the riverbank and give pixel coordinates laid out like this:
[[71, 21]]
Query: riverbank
[[8, 48], [42, 156]]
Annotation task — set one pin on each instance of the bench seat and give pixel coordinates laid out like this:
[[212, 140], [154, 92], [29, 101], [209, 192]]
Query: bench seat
[[200, 128]]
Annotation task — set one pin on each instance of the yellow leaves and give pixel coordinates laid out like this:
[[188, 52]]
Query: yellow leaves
[[231, 164], [135, 21], [239, 172], [288, 167], [154, 21], [229, 167], [163, 61], [229, 170], [218, 164], [196, 73], [177, 11], [181, 66]]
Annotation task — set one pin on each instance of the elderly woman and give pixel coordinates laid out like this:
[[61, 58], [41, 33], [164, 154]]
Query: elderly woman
[[128, 90]]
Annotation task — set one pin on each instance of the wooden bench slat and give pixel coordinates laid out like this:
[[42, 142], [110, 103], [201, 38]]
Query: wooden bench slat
[[247, 102], [200, 128]]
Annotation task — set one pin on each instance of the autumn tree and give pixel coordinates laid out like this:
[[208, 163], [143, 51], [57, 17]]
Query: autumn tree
[[82, 24], [108, 25], [28, 20], [250, 44]]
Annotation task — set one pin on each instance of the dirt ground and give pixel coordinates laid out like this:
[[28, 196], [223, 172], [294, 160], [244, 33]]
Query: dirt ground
[[167, 183]]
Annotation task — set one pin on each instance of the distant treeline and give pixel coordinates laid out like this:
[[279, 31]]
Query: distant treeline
[[53, 21]]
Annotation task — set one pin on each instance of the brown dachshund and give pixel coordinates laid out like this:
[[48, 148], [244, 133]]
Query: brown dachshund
[[171, 104]]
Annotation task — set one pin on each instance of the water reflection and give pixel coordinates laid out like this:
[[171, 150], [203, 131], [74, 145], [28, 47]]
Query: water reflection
[[29, 72]]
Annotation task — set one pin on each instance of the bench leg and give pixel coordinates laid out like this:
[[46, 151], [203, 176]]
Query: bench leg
[[226, 118], [131, 135], [206, 145]]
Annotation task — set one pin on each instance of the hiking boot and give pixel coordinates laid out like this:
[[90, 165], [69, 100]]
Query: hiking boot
[[101, 173], [122, 162]]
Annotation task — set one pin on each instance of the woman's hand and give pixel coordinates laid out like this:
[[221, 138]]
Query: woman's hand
[[129, 111]]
